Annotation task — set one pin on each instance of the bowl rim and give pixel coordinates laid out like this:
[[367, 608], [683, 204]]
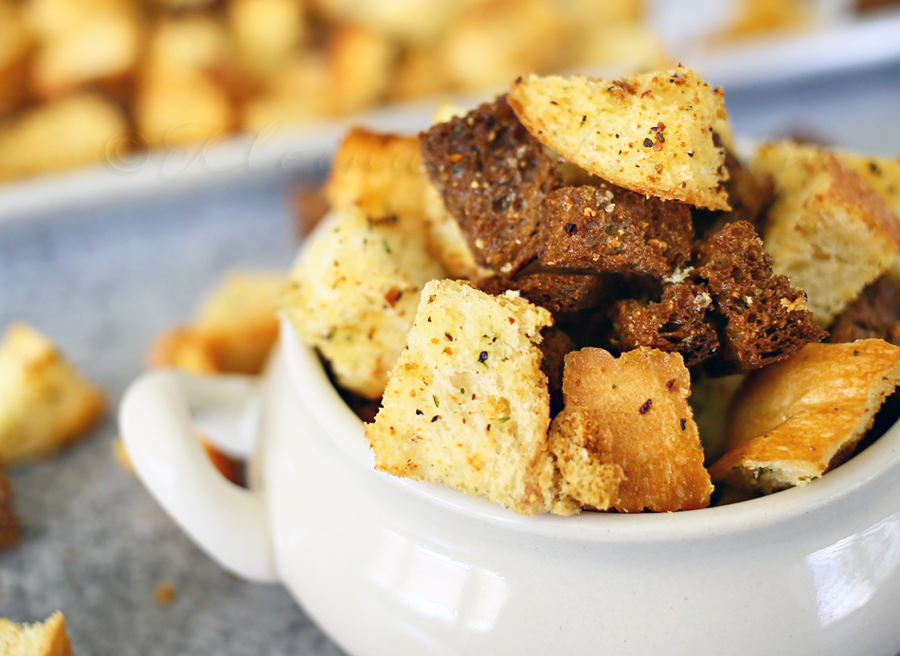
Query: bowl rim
[[340, 425]]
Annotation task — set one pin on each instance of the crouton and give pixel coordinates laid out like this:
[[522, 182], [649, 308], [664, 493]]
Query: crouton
[[266, 33], [765, 316], [626, 438], [803, 416], [493, 177], [557, 290], [446, 241], [354, 292], [80, 129], [493, 42], [609, 229], [48, 638], [15, 46], [233, 332], [195, 42], [874, 314], [361, 63], [418, 74], [467, 403], [300, 91], [710, 398], [827, 230], [44, 402], [100, 49], [9, 522], [175, 108], [406, 21], [381, 174], [652, 134], [880, 173], [681, 322]]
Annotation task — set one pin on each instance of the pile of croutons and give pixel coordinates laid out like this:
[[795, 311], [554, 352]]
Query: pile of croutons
[[578, 297], [84, 80]]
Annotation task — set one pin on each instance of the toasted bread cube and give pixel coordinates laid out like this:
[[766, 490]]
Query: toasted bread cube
[[494, 42], [9, 522], [799, 418], [267, 33], [300, 91], [652, 134], [828, 231], [880, 173], [353, 294], [102, 49], [875, 313], [361, 64], [406, 21], [39, 639], [467, 403], [78, 130], [626, 438], [233, 332], [710, 398], [44, 402], [194, 42], [15, 46], [418, 74], [177, 108], [381, 174]]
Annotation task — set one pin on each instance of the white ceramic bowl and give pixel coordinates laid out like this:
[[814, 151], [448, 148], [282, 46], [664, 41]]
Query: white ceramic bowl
[[388, 566]]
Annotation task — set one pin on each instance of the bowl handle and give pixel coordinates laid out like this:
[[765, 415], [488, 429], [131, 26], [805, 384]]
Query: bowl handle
[[228, 522]]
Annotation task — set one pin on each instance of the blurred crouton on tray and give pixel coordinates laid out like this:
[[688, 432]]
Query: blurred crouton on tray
[[45, 403], [233, 332]]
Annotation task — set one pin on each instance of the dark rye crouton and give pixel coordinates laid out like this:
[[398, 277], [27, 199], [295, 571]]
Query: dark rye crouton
[[555, 345], [680, 322], [493, 177], [606, 228], [875, 314], [558, 291], [766, 318]]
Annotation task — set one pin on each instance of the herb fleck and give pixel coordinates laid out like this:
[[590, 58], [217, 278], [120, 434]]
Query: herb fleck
[[483, 356], [683, 423], [644, 409]]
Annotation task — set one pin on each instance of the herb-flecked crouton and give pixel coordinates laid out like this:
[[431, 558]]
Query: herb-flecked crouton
[[467, 403], [652, 134]]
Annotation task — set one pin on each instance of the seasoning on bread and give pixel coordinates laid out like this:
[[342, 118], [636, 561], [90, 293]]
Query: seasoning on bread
[[681, 322], [467, 403], [796, 419], [766, 317], [604, 228], [652, 134], [48, 638], [354, 292], [493, 177], [626, 438], [828, 230], [45, 403]]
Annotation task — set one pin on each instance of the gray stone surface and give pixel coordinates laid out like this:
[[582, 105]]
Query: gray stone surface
[[103, 282]]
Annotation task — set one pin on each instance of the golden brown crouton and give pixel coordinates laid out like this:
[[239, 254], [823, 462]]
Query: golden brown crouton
[[793, 421], [44, 402], [627, 438], [467, 404], [195, 42], [39, 639], [99, 47], [175, 108], [827, 230], [361, 63], [77, 130], [233, 331], [353, 294], [9, 522], [267, 33], [652, 134]]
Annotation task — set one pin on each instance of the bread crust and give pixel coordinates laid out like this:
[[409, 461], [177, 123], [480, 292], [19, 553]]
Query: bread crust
[[795, 420]]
